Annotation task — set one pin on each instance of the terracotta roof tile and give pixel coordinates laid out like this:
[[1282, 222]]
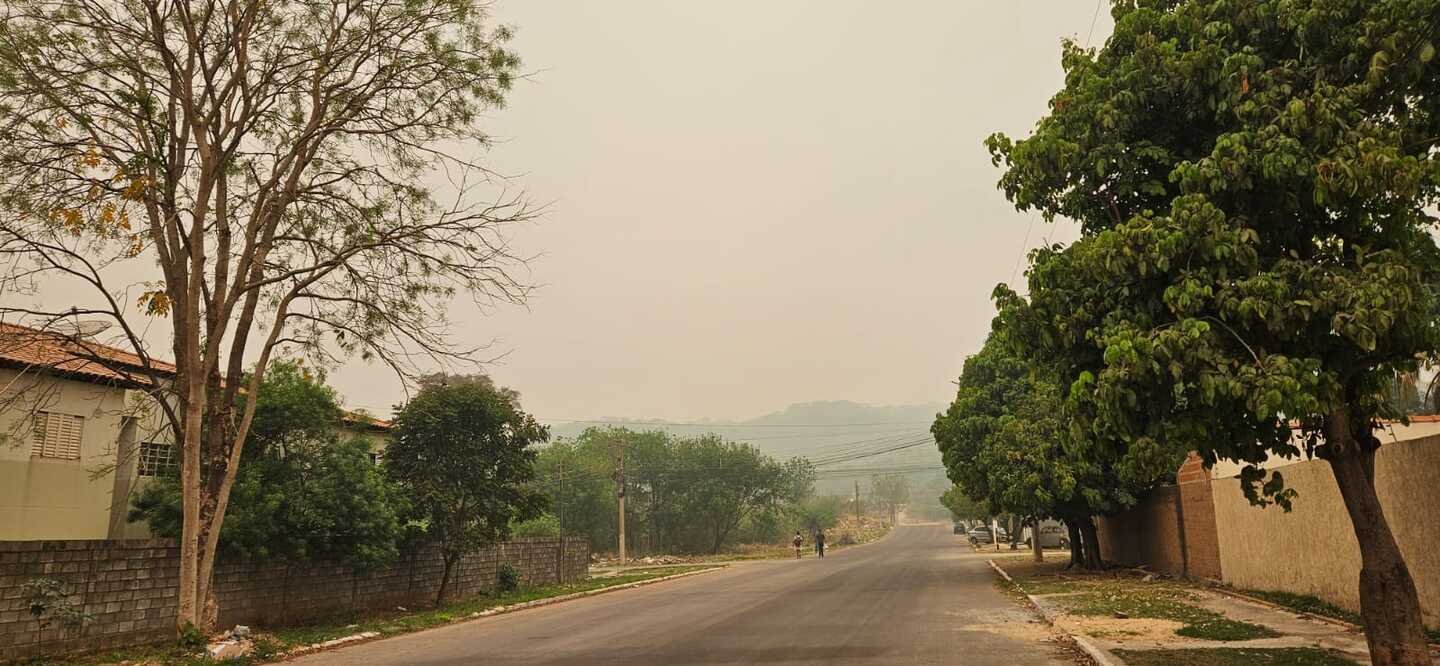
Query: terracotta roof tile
[[56, 352]]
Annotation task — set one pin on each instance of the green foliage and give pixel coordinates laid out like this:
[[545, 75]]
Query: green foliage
[[1235, 657], [961, 506], [462, 450], [507, 579], [1007, 444], [293, 407], [303, 494], [1252, 181], [819, 513], [49, 604], [544, 525], [191, 638], [683, 494], [891, 491]]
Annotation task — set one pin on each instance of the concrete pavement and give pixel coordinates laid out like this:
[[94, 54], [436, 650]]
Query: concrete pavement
[[920, 596]]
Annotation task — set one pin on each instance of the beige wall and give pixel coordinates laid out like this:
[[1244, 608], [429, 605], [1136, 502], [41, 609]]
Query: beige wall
[[1312, 550], [42, 498]]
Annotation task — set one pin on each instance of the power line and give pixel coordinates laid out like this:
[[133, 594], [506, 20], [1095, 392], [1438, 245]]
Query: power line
[[1094, 16], [703, 424]]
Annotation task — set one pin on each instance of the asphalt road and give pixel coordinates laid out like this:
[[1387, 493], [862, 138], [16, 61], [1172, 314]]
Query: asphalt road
[[917, 597]]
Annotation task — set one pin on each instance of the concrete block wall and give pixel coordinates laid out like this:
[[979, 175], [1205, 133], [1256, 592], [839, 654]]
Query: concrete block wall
[[1172, 529], [130, 587]]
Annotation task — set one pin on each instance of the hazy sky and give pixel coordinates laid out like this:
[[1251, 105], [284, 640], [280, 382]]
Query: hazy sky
[[758, 203], [755, 203]]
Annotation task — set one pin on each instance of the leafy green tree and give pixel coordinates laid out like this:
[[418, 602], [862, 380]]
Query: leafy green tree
[[305, 494], [800, 473], [962, 507], [1252, 180], [1006, 443], [819, 513], [463, 453], [683, 494], [294, 406], [891, 491], [721, 483]]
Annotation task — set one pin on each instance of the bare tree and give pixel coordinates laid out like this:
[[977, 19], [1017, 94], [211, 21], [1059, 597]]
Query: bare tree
[[252, 171]]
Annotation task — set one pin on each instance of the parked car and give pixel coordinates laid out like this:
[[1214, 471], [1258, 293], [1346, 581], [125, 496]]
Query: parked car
[[1052, 535], [981, 534], [959, 527]]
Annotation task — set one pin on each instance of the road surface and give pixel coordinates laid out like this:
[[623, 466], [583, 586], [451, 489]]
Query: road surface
[[920, 596]]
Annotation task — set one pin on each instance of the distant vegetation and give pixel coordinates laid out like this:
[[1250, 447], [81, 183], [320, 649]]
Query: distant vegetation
[[684, 494]]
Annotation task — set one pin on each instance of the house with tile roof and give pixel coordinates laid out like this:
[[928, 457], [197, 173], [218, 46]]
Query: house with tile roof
[[80, 433]]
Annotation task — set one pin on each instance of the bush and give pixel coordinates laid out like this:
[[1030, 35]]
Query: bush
[[546, 525], [507, 579]]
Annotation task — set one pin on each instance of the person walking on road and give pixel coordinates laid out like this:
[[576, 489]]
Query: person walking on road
[[820, 543], [799, 541]]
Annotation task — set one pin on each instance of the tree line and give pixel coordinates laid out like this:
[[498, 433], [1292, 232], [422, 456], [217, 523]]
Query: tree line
[[684, 493], [455, 471], [1254, 184]]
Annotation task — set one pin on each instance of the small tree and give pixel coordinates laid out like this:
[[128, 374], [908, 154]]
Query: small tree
[[892, 491], [462, 451]]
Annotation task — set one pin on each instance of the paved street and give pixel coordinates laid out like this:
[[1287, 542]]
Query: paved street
[[918, 596]]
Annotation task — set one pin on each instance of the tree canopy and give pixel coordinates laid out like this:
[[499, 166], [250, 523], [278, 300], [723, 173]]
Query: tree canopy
[[307, 492], [683, 493], [1252, 180]]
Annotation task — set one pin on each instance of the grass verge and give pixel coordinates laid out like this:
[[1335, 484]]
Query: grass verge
[[1164, 602], [1315, 606], [1234, 657], [274, 644]]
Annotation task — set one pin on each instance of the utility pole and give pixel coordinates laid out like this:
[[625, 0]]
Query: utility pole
[[620, 492], [622, 507], [560, 558], [857, 501]]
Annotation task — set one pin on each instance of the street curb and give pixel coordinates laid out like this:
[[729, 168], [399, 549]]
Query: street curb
[[356, 639], [1099, 656]]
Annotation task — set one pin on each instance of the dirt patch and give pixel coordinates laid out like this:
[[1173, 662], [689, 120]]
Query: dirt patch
[[1033, 630], [1121, 631]]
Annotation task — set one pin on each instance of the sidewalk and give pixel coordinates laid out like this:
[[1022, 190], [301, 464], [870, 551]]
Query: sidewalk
[[1137, 619]]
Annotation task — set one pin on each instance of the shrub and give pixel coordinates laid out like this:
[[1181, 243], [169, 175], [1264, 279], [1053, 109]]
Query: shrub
[[507, 579]]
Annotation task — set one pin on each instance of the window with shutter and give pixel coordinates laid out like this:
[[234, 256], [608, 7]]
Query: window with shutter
[[57, 435]]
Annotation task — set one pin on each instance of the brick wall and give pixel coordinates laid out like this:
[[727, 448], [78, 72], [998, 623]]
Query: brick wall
[[130, 587], [1172, 529], [1197, 503]]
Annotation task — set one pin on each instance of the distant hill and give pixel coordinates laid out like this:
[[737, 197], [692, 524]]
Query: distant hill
[[847, 440]]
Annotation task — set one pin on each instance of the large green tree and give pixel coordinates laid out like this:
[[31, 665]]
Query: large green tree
[[463, 452], [1006, 442], [1252, 180], [307, 493]]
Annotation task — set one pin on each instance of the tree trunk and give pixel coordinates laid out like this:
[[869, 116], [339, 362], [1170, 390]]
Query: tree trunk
[[1014, 533], [445, 578], [1076, 557], [1389, 605], [1035, 549], [1091, 547]]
